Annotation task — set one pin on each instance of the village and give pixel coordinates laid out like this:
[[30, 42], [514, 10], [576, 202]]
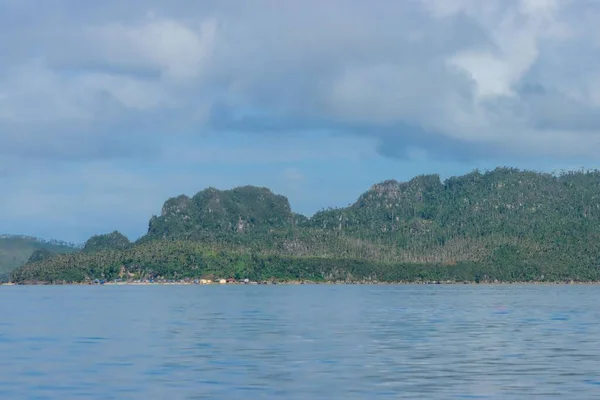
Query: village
[[185, 281]]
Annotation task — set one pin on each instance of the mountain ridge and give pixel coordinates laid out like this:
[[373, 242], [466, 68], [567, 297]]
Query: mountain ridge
[[17, 249], [509, 223]]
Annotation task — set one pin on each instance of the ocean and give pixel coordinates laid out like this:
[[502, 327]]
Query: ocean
[[300, 342]]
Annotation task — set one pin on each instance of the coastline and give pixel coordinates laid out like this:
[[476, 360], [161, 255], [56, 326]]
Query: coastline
[[292, 282]]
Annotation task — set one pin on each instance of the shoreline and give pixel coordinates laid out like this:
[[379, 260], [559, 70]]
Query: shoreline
[[434, 283]]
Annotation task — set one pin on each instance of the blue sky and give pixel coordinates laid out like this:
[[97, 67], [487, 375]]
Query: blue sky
[[109, 108]]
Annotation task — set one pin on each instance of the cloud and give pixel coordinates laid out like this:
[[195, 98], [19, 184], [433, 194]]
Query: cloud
[[147, 84], [174, 50], [438, 74], [453, 69]]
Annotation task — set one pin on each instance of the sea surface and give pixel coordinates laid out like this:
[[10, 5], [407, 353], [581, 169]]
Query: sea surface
[[300, 342]]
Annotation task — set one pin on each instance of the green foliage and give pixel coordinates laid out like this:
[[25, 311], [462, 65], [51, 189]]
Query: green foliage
[[211, 213], [39, 255], [15, 251], [505, 224], [114, 241]]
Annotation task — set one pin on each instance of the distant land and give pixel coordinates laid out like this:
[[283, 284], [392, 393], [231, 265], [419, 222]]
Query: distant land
[[15, 250], [505, 225]]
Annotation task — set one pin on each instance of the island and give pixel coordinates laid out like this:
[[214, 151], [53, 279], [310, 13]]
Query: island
[[504, 225]]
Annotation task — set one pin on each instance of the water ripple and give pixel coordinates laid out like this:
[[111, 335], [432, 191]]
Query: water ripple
[[300, 342]]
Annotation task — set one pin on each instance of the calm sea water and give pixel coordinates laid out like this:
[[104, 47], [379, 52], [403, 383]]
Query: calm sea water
[[300, 342]]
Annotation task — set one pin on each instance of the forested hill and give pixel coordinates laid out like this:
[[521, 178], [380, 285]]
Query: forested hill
[[505, 224], [212, 212], [15, 250]]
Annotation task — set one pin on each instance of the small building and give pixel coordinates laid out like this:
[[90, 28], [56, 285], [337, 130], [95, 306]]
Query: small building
[[222, 281]]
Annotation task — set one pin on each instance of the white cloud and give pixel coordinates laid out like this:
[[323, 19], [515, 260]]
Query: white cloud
[[131, 93], [516, 33], [35, 93], [83, 82], [179, 52], [454, 68], [107, 62]]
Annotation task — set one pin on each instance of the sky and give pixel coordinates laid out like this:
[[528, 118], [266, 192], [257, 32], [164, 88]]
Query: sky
[[109, 108]]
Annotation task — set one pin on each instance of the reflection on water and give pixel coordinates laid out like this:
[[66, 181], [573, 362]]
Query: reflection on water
[[300, 342]]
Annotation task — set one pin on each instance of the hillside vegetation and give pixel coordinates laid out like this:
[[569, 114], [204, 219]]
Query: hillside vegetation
[[110, 241], [506, 224], [16, 250]]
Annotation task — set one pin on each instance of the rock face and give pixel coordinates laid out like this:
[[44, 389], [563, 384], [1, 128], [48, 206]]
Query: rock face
[[211, 211], [110, 241], [389, 193]]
